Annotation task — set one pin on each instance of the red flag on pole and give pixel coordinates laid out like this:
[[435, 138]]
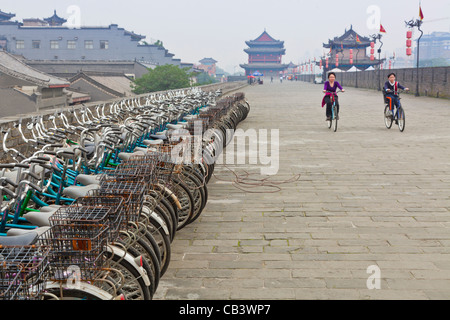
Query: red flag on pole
[[420, 13], [382, 30]]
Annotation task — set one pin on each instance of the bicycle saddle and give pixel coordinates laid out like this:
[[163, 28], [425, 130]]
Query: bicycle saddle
[[23, 232], [158, 137], [192, 117], [127, 156], [26, 239], [153, 142], [75, 192], [86, 179], [41, 219], [175, 126]]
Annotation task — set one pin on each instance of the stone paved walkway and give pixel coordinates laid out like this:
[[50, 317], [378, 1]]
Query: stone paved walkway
[[366, 196]]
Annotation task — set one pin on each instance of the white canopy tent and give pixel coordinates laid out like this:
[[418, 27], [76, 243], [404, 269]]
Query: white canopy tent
[[353, 69], [336, 70]]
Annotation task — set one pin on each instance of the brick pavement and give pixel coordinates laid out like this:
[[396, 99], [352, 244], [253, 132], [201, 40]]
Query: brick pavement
[[366, 196]]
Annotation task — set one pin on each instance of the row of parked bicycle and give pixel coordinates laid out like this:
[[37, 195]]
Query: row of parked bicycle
[[92, 211]]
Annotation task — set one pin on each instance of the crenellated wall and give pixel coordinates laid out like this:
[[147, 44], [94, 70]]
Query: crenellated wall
[[433, 81]]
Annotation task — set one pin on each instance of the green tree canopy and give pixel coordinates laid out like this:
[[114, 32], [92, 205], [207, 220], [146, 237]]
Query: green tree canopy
[[204, 78], [162, 78]]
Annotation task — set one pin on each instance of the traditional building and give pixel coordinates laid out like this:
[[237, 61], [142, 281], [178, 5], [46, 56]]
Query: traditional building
[[341, 47], [24, 89], [6, 17], [55, 21], [48, 39], [208, 65], [102, 86], [265, 56], [434, 46]]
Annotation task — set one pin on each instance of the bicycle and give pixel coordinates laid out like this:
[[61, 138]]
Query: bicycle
[[125, 259], [389, 117], [334, 112]]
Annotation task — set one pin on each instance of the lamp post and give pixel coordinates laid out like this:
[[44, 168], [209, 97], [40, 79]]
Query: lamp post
[[418, 24], [378, 37]]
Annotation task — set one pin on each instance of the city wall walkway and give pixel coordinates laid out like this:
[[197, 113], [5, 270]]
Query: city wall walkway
[[366, 196]]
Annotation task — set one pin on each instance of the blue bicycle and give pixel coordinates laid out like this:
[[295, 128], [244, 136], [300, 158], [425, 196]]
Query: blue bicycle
[[389, 116], [333, 121]]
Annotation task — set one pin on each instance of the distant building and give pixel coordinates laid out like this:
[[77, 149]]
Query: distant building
[[68, 69], [208, 65], [435, 46], [24, 89], [264, 56], [341, 46], [49, 39], [102, 86]]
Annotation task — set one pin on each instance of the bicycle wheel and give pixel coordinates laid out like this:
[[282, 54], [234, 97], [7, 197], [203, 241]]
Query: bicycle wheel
[[198, 193], [329, 123], [401, 119], [86, 292], [140, 247], [134, 287], [186, 200], [335, 124], [199, 175], [387, 119], [149, 262], [162, 239]]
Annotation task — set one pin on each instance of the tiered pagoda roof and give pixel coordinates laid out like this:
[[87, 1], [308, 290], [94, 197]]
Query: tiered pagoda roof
[[207, 61], [266, 50], [265, 54], [55, 20], [348, 39], [6, 16], [265, 40]]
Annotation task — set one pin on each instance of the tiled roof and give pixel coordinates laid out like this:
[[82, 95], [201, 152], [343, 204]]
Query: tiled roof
[[12, 66], [116, 84]]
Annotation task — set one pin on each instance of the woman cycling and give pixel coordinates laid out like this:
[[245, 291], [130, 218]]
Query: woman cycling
[[330, 89]]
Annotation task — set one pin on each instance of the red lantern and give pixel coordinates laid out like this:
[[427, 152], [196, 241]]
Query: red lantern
[[409, 34], [351, 61], [408, 51], [372, 51], [320, 64], [372, 44], [372, 57], [408, 43], [390, 64]]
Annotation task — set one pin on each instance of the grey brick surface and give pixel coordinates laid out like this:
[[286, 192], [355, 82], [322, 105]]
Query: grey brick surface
[[366, 196]]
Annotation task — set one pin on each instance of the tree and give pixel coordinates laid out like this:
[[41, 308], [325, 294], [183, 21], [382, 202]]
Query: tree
[[159, 43], [204, 78], [162, 78]]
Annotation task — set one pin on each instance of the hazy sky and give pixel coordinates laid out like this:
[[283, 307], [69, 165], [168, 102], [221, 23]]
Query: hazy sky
[[194, 29]]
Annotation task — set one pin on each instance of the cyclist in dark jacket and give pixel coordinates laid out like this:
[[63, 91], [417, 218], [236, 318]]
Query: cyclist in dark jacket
[[391, 88]]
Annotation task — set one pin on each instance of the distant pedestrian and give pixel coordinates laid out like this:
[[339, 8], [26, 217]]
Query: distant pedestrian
[[281, 79]]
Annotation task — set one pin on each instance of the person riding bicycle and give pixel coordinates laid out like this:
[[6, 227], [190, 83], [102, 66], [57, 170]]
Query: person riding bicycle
[[391, 89], [330, 88]]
